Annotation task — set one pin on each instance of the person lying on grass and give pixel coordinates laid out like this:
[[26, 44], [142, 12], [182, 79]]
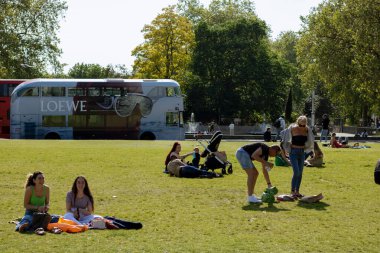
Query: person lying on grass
[[36, 199], [80, 203], [180, 169]]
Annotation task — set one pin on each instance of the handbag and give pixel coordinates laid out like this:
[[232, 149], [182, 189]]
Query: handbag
[[40, 220], [98, 223]]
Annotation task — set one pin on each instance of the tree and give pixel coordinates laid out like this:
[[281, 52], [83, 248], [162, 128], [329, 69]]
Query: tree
[[166, 51], [28, 39], [82, 70], [340, 47], [285, 47], [237, 71]]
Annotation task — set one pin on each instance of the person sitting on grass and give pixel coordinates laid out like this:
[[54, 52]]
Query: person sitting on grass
[[36, 199], [180, 169], [335, 143], [80, 203], [317, 158], [174, 153], [268, 135]]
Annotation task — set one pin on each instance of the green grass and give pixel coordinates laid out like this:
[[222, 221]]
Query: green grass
[[191, 215]]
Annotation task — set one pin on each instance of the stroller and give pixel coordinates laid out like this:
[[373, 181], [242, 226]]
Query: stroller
[[214, 158]]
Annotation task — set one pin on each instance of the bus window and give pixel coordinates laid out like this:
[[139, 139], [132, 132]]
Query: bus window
[[6, 90], [78, 121], [157, 92], [172, 119], [28, 92], [170, 92], [181, 119], [115, 121], [53, 91], [93, 92], [53, 121], [72, 92], [96, 121], [112, 92]]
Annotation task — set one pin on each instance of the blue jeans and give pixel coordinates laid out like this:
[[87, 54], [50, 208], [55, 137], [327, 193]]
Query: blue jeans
[[324, 134], [28, 217], [297, 158]]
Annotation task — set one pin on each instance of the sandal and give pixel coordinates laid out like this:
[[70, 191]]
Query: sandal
[[56, 230], [39, 231], [23, 227]]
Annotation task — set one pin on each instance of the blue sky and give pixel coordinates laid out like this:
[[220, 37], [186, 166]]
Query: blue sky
[[106, 31]]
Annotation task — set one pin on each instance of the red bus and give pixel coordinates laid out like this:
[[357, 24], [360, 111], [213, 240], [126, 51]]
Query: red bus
[[6, 88]]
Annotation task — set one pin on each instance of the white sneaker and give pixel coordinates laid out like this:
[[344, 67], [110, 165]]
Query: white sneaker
[[253, 199]]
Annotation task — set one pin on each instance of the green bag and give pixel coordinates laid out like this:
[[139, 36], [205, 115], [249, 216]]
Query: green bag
[[279, 161]]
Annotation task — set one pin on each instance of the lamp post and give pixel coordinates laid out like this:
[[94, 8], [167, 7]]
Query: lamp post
[[313, 108]]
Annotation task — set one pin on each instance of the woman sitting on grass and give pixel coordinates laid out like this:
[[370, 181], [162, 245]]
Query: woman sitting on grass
[[335, 143], [36, 199], [80, 203], [174, 154]]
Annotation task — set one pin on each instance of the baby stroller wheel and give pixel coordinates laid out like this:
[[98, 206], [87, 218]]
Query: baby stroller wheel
[[224, 171], [230, 169]]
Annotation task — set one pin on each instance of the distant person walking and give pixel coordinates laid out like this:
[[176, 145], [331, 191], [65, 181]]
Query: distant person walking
[[279, 124], [325, 127]]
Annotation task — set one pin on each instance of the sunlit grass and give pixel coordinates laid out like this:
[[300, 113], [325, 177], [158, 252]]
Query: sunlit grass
[[192, 215]]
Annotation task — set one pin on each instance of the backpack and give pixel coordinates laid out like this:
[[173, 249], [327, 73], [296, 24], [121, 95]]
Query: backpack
[[40, 220], [277, 123]]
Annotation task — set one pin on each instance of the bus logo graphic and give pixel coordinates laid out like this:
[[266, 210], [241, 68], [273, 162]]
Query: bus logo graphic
[[63, 106]]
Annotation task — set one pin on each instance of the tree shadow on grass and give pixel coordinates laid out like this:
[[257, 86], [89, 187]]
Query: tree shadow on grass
[[263, 207], [319, 206]]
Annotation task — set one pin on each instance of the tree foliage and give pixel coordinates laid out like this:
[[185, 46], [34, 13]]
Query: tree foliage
[[166, 51], [236, 71], [340, 46], [82, 70], [28, 37]]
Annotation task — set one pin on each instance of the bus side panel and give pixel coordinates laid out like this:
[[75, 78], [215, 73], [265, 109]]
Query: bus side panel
[[157, 121], [100, 119]]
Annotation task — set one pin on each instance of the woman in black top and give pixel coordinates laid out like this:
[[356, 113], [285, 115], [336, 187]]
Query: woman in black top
[[299, 132], [259, 152]]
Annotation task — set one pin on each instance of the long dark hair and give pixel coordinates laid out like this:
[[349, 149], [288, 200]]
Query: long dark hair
[[172, 150], [29, 179], [86, 190]]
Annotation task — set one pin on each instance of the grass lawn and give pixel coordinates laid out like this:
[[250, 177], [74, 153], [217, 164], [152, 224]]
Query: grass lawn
[[191, 215]]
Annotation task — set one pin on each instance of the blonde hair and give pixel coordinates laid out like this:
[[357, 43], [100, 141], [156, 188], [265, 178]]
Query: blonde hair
[[300, 119], [175, 164]]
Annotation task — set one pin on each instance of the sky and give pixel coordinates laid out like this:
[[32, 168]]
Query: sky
[[106, 31]]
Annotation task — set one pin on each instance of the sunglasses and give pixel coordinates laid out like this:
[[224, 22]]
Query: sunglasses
[[302, 125], [125, 105]]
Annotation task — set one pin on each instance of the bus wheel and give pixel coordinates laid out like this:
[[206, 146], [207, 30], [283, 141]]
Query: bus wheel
[[147, 136], [52, 136]]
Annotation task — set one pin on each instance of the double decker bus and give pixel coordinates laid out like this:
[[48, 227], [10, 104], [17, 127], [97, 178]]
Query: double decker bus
[[97, 109], [6, 88]]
